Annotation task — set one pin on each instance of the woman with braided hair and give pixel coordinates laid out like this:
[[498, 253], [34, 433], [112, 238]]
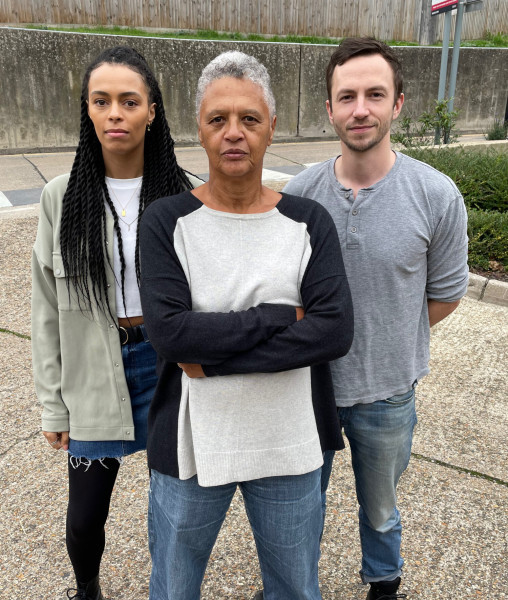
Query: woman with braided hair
[[94, 368]]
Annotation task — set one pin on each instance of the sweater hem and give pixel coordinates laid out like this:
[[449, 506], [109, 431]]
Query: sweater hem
[[222, 468]]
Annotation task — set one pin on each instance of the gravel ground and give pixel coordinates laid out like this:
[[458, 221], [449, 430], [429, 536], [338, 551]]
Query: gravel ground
[[455, 510]]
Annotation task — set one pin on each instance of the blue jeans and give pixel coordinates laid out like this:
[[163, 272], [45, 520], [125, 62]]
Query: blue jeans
[[380, 436], [184, 520]]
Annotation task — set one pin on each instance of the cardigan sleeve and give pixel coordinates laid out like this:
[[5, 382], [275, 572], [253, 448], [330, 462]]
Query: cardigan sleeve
[[180, 334], [326, 331]]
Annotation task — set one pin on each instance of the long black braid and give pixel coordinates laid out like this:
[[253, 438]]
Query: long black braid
[[83, 226]]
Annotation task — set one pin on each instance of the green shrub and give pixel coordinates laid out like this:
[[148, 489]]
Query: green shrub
[[482, 178], [422, 131], [480, 175], [498, 131], [488, 238]]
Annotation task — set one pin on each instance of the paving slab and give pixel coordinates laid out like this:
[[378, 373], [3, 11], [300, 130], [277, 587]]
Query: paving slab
[[192, 158], [476, 286], [453, 497], [302, 153], [4, 201], [16, 240], [22, 197], [21, 413], [53, 164], [454, 543], [496, 292], [18, 173], [462, 403]]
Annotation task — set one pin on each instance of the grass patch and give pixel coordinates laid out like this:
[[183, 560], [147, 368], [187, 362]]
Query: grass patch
[[489, 40], [498, 40], [201, 34], [441, 463], [20, 335]]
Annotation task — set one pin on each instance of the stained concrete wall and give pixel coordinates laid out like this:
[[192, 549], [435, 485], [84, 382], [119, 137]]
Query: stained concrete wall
[[480, 97], [41, 72]]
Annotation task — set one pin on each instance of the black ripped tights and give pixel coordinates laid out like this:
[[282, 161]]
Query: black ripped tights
[[90, 489]]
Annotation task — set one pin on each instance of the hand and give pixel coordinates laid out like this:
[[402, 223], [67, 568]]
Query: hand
[[191, 370], [299, 313], [58, 441]]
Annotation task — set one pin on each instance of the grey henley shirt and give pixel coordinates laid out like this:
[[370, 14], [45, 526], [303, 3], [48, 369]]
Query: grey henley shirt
[[404, 240]]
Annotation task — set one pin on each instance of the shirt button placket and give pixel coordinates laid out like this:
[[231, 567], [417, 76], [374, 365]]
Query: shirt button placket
[[353, 223]]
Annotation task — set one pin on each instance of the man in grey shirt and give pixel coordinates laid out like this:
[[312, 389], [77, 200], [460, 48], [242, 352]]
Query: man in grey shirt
[[402, 227]]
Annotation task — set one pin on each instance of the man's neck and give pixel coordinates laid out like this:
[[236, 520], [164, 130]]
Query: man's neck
[[357, 170]]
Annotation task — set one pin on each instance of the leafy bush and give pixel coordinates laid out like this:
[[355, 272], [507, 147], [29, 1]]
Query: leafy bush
[[480, 175], [482, 178], [488, 238], [498, 131], [421, 132]]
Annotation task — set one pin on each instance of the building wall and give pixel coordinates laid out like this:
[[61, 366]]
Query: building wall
[[41, 74]]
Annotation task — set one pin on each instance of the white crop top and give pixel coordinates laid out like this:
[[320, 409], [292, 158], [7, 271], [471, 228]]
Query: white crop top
[[124, 194]]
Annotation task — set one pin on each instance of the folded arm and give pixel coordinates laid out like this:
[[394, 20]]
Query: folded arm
[[180, 334]]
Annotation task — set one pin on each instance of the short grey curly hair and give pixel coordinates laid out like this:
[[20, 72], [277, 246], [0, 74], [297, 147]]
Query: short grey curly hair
[[241, 66]]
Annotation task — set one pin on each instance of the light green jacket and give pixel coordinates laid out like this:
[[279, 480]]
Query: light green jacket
[[77, 358]]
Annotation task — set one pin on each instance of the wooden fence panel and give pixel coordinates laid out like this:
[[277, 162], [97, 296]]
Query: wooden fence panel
[[493, 17], [390, 19]]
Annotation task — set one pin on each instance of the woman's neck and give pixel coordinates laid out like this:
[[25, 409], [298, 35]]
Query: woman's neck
[[122, 166], [239, 197]]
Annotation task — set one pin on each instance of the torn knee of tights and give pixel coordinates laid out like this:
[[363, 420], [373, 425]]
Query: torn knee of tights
[[77, 461]]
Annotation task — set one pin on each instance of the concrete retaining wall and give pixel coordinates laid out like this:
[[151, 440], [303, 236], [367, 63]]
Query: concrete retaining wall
[[41, 73], [480, 98]]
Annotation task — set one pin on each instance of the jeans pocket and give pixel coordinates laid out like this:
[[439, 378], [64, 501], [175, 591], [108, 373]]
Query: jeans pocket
[[401, 399]]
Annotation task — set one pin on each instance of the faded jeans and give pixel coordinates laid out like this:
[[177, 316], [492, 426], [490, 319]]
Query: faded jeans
[[380, 435], [184, 520]]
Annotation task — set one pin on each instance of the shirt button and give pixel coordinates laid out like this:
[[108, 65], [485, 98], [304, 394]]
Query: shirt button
[[353, 229], [124, 399], [57, 271], [109, 285], [111, 326], [354, 212], [347, 195], [127, 432], [117, 365]]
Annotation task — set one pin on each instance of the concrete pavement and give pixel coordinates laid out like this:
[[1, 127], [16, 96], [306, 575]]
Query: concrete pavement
[[453, 497], [22, 177]]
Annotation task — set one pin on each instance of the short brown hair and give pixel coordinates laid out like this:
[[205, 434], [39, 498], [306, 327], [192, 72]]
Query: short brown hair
[[360, 46]]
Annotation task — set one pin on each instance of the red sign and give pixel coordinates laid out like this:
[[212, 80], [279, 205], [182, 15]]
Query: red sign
[[441, 6]]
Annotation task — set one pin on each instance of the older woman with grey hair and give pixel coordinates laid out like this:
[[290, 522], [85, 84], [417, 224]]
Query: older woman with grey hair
[[245, 300]]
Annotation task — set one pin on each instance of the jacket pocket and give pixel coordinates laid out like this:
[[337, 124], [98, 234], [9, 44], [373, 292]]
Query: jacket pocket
[[66, 294]]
